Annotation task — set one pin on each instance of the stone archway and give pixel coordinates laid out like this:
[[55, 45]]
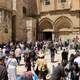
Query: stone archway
[[63, 28], [45, 29]]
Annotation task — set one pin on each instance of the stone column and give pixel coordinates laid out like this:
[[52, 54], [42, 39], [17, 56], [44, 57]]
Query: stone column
[[29, 30], [29, 35]]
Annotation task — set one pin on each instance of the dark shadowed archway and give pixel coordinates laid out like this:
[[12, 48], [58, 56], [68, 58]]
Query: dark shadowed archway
[[45, 29]]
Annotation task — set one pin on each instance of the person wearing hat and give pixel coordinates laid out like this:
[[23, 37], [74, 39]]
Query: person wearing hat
[[3, 70]]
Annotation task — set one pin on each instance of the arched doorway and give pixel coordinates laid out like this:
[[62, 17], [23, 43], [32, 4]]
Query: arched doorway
[[63, 28], [45, 29]]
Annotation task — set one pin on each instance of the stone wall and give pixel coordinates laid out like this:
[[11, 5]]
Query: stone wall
[[5, 26], [56, 5], [21, 31], [73, 16]]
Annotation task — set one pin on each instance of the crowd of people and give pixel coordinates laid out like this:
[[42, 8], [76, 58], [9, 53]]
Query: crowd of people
[[35, 63], [10, 57]]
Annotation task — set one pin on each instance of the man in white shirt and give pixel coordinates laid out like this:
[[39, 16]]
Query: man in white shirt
[[77, 59]]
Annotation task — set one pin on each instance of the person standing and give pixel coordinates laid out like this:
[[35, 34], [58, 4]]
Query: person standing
[[18, 54], [53, 51], [64, 55], [3, 70], [75, 71], [41, 67], [27, 61], [11, 67], [4, 50], [59, 72]]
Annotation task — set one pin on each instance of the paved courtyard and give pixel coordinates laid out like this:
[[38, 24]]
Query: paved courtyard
[[21, 68]]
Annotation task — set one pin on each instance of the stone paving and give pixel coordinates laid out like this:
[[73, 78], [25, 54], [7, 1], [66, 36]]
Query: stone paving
[[57, 60]]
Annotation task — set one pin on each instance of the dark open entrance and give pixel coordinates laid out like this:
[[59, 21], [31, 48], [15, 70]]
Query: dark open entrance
[[14, 28], [47, 35], [45, 29]]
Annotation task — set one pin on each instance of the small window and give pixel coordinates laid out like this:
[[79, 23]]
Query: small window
[[63, 0], [46, 2]]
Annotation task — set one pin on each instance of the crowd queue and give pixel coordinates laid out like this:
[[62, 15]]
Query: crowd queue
[[35, 63]]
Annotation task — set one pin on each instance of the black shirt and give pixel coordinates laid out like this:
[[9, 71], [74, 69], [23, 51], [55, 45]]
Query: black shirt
[[3, 73]]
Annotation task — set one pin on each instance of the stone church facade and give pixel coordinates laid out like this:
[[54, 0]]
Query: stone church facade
[[31, 20], [16, 23], [58, 19], [5, 20]]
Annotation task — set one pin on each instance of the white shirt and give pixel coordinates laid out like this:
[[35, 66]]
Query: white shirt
[[11, 63], [4, 51], [77, 60]]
